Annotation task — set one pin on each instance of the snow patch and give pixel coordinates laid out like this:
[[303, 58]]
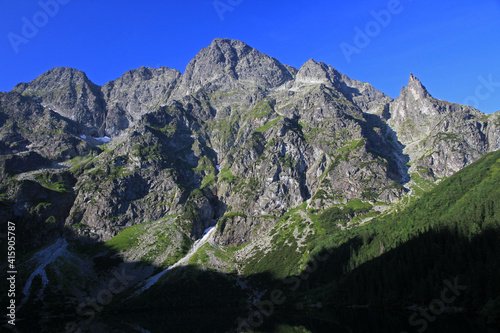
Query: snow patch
[[218, 167], [103, 139], [196, 246], [206, 231], [44, 258], [152, 280], [83, 136]]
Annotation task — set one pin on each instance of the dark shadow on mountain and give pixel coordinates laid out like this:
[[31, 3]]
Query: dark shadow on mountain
[[38, 212], [203, 294], [173, 128], [23, 162], [176, 321], [414, 272], [383, 141], [344, 320]]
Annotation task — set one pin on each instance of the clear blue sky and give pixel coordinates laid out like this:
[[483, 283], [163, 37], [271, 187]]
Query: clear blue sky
[[453, 47]]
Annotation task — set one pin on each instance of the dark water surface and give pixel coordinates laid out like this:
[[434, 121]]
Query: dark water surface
[[228, 320]]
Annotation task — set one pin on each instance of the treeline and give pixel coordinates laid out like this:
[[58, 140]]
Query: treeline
[[452, 232]]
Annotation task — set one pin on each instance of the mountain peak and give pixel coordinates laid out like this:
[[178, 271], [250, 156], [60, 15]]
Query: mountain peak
[[220, 40], [226, 62], [229, 48], [313, 72], [416, 88], [311, 62], [227, 41], [54, 78], [70, 93]]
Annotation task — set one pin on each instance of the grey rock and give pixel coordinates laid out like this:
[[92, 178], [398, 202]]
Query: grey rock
[[229, 64], [440, 138], [70, 93], [27, 126], [242, 135], [136, 93]]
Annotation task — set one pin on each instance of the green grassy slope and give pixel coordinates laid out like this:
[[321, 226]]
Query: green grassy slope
[[452, 232]]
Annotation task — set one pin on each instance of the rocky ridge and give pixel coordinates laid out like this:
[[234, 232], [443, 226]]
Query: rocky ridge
[[277, 159], [238, 138]]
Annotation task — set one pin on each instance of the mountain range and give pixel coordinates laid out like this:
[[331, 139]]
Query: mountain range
[[241, 168]]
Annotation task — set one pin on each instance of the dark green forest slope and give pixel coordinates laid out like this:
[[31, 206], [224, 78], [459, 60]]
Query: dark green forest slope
[[451, 234]]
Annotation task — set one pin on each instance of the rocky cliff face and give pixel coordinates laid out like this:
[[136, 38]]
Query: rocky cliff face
[[71, 94], [440, 138], [136, 93], [239, 138], [231, 65], [28, 126]]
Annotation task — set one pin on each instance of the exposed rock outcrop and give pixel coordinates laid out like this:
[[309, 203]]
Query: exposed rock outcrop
[[238, 136]]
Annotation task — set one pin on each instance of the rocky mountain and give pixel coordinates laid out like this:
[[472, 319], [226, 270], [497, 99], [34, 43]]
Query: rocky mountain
[[263, 152], [136, 93], [232, 65], [238, 133], [440, 138], [72, 95]]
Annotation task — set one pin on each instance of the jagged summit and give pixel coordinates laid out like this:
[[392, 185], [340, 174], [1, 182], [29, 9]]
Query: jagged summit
[[143, 73], [415, 88], [227, 41], [70, 93], [276, 162], [313, 72], [226, 64], [135, 93], [53, 79]]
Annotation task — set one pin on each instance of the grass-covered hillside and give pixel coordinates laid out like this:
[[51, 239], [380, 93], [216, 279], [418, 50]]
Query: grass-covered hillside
[[404, 258]]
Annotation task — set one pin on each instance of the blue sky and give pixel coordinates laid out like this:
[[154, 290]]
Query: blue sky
[[453, 47]]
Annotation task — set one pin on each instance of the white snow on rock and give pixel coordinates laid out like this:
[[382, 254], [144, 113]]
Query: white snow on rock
[[44, 258], [103, 139], [152, 280], [196, 246], [206, 231], [83, 136]]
